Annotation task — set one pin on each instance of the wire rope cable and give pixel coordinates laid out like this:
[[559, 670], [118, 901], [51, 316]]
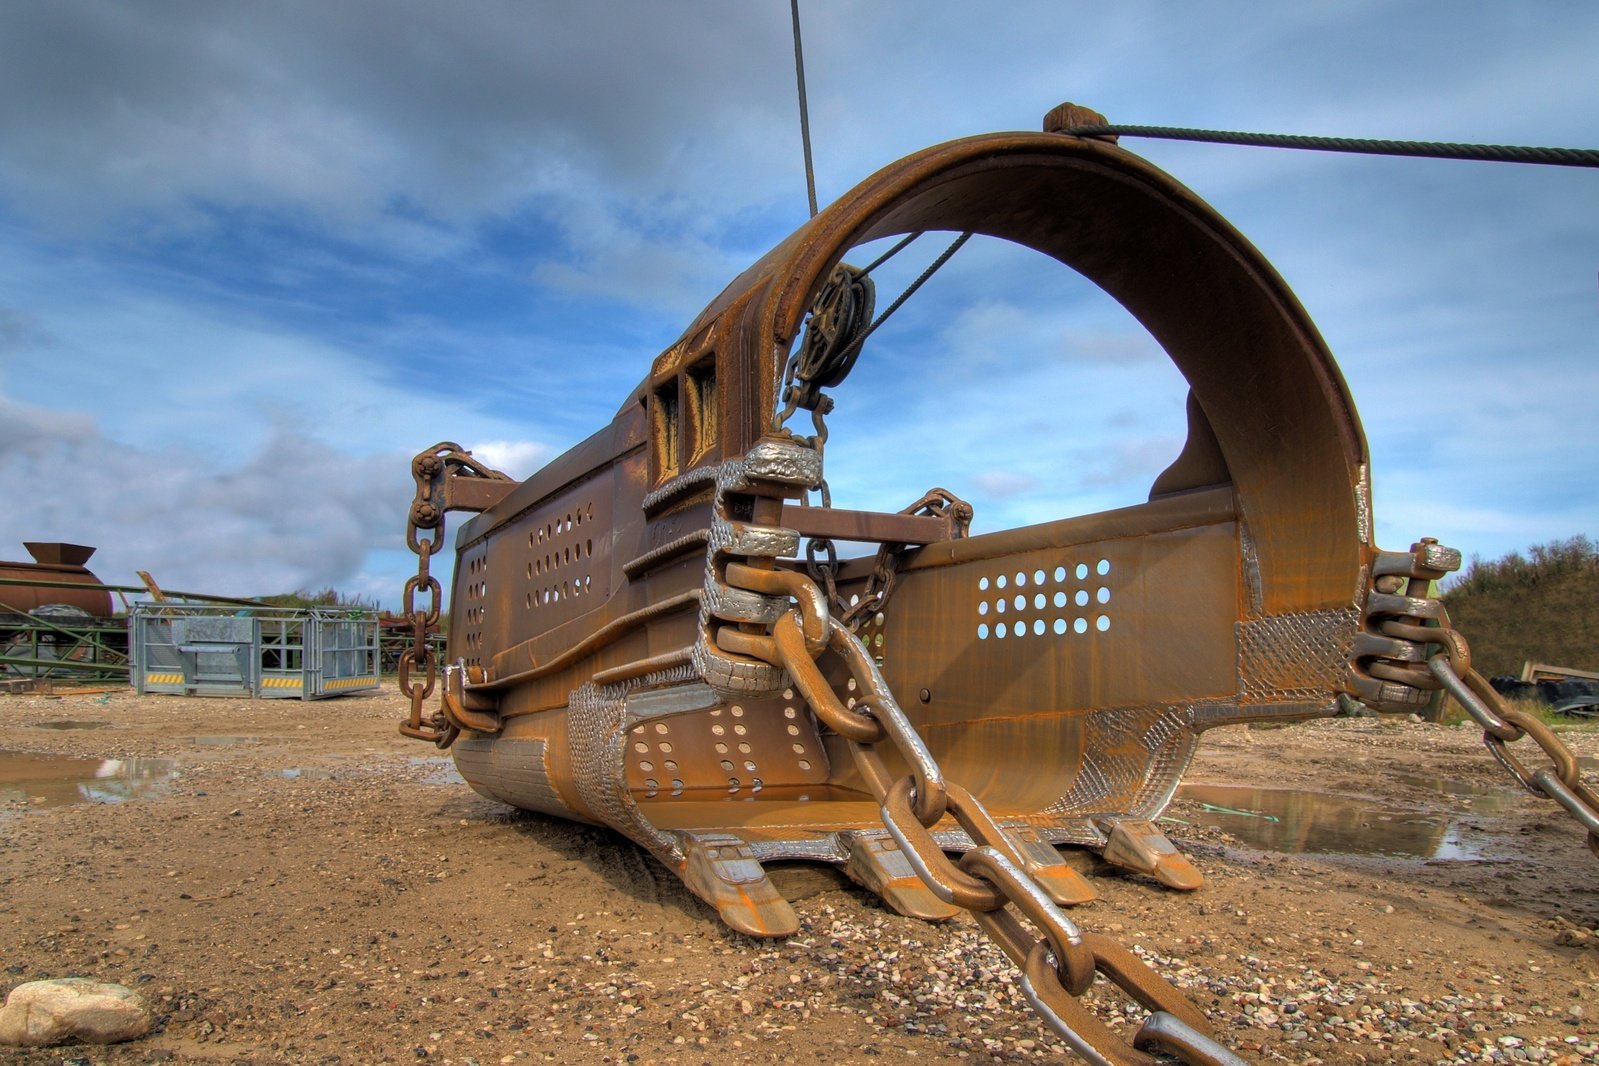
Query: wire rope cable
[[804, 109], [1486, 153]]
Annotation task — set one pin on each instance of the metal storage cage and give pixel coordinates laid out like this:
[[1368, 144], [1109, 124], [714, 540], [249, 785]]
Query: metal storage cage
[[262, 652]]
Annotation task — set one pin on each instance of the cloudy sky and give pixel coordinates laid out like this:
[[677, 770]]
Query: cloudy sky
[[255, 256]]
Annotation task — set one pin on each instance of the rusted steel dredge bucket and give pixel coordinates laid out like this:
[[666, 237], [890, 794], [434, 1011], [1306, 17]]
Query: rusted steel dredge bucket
[[652, 632], [591, 601]]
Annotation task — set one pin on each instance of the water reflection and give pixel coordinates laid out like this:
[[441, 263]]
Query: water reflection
[[56, 781], [307, 773], [437, 770], [1300, 822]]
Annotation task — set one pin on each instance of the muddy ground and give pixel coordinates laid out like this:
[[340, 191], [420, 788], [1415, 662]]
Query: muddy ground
[[300, 884]]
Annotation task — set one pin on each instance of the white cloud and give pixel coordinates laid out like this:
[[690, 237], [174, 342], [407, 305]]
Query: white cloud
[[1002, 483], [297, 514], [162, 371], [602, 170], [519, 458]]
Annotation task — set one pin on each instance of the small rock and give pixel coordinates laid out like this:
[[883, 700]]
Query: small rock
[[72, 1010]]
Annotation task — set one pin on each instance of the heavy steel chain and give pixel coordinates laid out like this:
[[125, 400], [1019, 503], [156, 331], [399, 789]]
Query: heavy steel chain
[[428, 470], [1060, 961], [821, 557], [938, 503], [1503, 725], [1401, 643]]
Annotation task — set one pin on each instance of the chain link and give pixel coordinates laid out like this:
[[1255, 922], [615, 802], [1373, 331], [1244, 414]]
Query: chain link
[[428, 470], [1059, 961], [935, 503], [821, 557], [1503, 725], [1405, 659]]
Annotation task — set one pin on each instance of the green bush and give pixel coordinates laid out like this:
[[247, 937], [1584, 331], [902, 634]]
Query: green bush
[[1538, 606]]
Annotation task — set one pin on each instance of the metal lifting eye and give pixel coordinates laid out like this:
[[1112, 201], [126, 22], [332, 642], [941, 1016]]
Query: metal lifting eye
[[838, 321]]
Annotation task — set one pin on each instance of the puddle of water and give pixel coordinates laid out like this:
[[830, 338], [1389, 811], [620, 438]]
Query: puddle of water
[[1312, 823], [307, 773], [56, 781], [68, 725], [1482, 799], [440, 770], [219, 741]]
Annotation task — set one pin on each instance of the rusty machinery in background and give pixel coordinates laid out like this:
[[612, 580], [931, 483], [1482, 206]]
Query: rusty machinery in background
[[56, 619], [654, 632]]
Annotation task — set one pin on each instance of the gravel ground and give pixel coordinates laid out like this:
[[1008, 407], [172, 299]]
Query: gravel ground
[[299, 884]]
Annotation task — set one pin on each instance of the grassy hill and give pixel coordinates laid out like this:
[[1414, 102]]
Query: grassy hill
[[1542, 606]]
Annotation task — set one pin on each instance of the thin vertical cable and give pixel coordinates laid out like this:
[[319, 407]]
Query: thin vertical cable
[[805, 117]]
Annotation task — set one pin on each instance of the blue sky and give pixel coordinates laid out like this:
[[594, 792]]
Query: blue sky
[[254, 257]]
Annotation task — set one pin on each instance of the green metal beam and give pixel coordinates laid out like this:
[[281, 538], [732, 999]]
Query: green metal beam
[[71, 664]]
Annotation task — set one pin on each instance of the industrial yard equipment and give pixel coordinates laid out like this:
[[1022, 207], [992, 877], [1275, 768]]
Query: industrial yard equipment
[[655, 633]]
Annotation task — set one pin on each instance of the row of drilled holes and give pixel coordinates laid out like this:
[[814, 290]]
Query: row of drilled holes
[[1040, 626], [561, 557], [1041, 601], [476, 590], [559, 526], [1039, 577], [663, 746], [564, 591]]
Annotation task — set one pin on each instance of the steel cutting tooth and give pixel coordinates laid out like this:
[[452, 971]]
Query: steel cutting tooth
[[1136, 844], [723, 871], [876, 863]]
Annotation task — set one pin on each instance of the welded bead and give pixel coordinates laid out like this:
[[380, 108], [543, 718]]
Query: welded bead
[[1398, 605], [1383, 695], [793, 656], [729, 603], [1426, 560], [1073, 961], [941, 876], [1385, 646]]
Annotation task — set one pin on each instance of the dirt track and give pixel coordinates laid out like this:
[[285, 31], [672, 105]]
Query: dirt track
[[310, 887]]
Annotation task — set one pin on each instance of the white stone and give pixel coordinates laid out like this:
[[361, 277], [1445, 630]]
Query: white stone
[[72, 1010]]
